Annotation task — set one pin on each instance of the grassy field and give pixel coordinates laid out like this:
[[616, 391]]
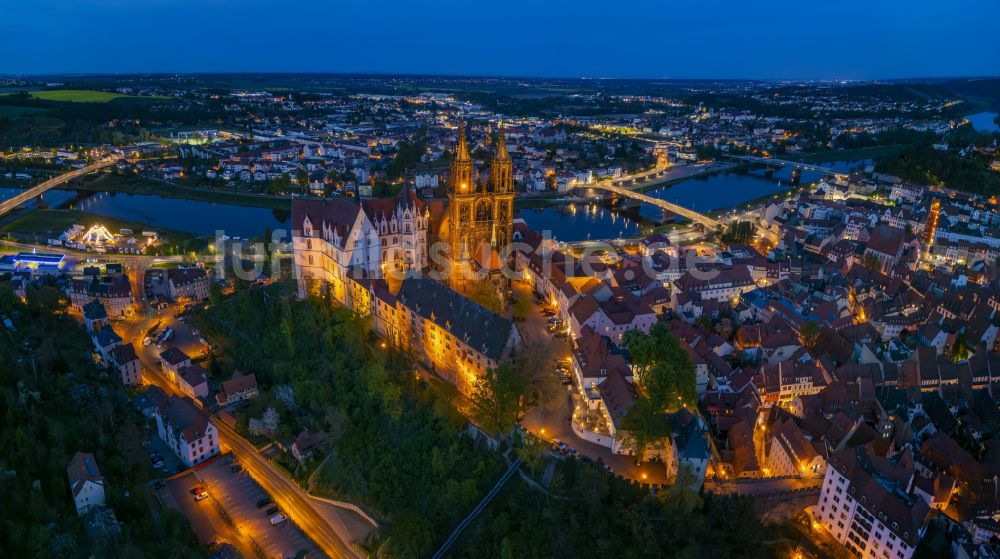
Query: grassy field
[[83, 96], [52, 222]]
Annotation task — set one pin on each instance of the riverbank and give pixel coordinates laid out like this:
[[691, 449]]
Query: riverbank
[[42, 224], [110, 182], [873, 152]]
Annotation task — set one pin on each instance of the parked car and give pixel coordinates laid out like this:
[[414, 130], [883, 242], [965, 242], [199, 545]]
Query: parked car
[[200, 496], [146, 442], [153, 455], [158, 464], [230, 459], [271, 511], [160, 484], [560, 444], [236, 468], [197, 489], [278, 519], [264, 502], [146, 341]]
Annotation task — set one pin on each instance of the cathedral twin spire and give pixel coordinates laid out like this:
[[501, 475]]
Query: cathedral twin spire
[[501, 169]]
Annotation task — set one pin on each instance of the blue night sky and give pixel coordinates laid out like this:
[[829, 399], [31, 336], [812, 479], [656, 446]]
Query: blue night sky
[[807, 39]]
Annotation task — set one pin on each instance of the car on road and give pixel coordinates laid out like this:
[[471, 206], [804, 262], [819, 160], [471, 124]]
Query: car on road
[[160, 484], [146, 442], [197, 489], [200, 496], [264, 502], [230, 459], [147, 340], [195, 332], [272, 511], [560, 444], [236, 469], [278, 519]]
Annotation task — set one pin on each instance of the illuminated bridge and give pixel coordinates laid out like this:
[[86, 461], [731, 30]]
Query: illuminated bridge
[[790, 164], [35, 191], [663, 204]]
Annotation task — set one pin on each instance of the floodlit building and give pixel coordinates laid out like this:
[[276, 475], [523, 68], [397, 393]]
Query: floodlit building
[[866, 504]]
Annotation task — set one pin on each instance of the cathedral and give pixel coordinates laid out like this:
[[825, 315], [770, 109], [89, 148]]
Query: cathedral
[[480, 218]]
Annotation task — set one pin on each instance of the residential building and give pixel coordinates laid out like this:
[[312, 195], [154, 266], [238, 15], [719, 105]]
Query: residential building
[[186, 429], [85, 482], [866, 505], [187, 283], [124, 358], [237, 389]]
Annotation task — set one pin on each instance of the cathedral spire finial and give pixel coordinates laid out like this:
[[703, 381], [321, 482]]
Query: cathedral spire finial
[[501, 143], [462, 149]]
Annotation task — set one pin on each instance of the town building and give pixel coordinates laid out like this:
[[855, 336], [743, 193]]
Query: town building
[[125, 360], [865, 504], [238, 389], [190, 284], [115, 293], [186, 429], [85, 482], [457, 337]]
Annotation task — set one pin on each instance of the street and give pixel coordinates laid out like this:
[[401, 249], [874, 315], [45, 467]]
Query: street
[[555, 424]]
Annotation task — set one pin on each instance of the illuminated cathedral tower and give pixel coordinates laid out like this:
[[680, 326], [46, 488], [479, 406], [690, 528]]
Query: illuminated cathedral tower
[[480, 216]]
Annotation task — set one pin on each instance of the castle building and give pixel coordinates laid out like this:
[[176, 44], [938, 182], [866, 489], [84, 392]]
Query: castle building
[[333, 241], [402, 223], [480, 217]]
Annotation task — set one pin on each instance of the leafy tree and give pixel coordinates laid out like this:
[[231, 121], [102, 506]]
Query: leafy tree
[[809, 334], [643, 426], [663, 369], [484, 293], [497, 398]]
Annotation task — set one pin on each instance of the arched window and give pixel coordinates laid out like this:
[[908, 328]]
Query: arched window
[[483, 211]]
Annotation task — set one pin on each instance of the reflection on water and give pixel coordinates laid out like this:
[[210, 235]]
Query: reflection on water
[[579, 222], [568, 222]]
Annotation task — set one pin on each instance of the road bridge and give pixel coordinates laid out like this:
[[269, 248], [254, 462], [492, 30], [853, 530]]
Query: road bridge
[[790, 164], [663, 204], [35, 191]]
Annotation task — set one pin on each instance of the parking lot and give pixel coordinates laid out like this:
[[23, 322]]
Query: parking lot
[[208, 523], [238, 495]]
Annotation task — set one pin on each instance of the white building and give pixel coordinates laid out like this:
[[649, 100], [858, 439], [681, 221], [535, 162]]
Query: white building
[[85, 482], [331, 239], [187, 430], [866, 504]]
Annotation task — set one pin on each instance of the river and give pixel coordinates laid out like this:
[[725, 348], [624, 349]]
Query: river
[[984, 122], [571, 222]]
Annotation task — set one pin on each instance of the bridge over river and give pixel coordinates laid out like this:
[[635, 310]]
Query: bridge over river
[[36, 191]]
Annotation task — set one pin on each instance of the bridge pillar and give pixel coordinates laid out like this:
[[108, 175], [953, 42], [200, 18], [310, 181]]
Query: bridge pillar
[[40, 202]]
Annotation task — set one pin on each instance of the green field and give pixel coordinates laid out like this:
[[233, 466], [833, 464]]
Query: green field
[[55, 221], [83, 96]]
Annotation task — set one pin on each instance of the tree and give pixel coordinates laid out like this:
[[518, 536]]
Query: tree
[[522, 308], [642, 427], [809, 334], [534, 362], [663, 369], [497, 399], [484, 293], [871, 262]]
